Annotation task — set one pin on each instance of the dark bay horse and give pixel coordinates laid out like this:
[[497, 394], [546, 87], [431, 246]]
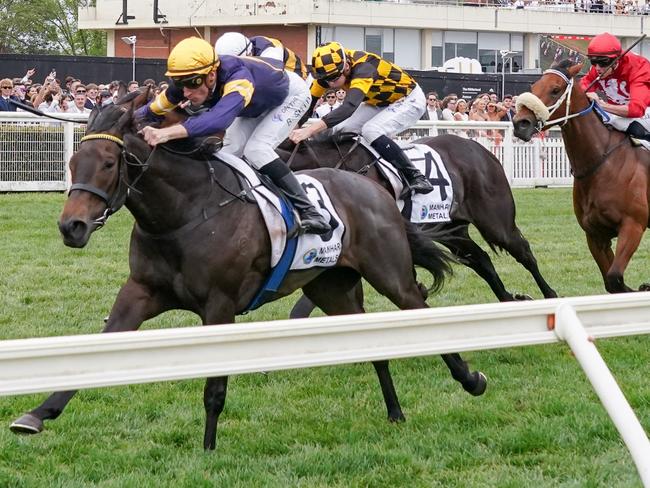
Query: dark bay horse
[[611, 175], [482, 197], [198, 245]]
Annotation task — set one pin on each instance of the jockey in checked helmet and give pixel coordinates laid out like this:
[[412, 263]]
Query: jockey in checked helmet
[[625, 81], [250, 97], [382, 100]]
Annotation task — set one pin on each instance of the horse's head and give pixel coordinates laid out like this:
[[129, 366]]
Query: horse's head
[[548, 102], [98, 186]]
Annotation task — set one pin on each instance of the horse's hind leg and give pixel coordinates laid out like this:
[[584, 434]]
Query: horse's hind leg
[[519, 248], [134, 304], [472, 255], [393, 280], [339, 291], [302, 309]]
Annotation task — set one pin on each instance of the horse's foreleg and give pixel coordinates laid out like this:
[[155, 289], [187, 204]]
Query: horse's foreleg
[[602, 253], [214, 399], [135, 303], [220, 310], [629, 238]]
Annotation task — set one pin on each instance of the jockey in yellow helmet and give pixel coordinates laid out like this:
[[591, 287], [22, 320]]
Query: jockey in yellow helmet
[[247, 96], [381, 101]]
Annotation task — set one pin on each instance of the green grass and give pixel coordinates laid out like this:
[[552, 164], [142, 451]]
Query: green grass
[[539, 423]]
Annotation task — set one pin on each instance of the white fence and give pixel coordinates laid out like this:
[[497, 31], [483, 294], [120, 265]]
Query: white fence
[[34, 151], [86, 361]]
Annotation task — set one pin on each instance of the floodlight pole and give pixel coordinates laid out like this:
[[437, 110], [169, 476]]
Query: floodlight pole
[[132, 41]]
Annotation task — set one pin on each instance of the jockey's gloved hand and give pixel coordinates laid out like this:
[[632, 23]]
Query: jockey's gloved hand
[[144, 117]]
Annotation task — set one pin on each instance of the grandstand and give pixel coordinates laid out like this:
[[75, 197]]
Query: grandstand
[[416, 34]]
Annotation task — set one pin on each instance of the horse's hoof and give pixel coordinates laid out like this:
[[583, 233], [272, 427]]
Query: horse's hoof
[[27, 424], [644, 287], [479, 385], [520, 297], [396, 418]]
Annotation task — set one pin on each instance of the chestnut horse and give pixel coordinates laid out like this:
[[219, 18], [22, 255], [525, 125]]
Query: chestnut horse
[[610, 187], [198, 244]]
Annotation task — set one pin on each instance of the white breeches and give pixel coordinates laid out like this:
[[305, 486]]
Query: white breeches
[[255, 139], [622, 123], [371, 121]]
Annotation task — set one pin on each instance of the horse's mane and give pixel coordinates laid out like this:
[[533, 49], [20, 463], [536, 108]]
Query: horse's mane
[[106, 118]]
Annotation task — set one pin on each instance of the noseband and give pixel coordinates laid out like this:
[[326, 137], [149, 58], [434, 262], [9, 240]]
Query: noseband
[[114, 202]]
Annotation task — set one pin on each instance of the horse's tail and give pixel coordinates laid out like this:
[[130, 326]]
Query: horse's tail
[[427, 254]]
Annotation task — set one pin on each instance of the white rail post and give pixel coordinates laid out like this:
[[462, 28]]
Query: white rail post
[[68, 151], [508, 154], [569, 328]]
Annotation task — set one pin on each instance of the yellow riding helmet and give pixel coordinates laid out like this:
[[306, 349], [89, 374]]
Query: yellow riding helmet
[[191, 56], [328, 61]]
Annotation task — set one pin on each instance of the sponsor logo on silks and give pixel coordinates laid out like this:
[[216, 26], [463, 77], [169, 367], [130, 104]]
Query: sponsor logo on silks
[[424, 211], [309, 256]]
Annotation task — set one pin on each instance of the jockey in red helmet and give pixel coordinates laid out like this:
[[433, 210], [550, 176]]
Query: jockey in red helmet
[[624, 81]]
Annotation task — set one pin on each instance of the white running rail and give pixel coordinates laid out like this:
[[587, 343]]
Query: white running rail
[[87, 361], [34, 151]]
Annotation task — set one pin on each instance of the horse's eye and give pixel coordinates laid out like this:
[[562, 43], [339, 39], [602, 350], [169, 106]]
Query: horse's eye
[[556, 91], [109, 163]]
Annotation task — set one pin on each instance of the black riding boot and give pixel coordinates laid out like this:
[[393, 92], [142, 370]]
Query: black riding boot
[[391, 152], [636, 130], [311, 221]]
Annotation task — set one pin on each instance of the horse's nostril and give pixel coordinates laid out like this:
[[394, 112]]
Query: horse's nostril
[[73, 228]]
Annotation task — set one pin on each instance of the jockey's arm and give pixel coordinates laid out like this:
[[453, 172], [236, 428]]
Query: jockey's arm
[[620, 110]]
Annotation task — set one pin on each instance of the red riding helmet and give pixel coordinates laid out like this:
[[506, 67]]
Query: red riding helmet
[[605, 45]]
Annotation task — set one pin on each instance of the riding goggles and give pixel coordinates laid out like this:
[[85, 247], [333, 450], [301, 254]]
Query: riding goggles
[[602, 61], [190, 81]]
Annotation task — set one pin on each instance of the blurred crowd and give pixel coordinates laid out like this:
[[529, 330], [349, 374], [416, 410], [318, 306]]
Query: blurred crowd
[[67, 95]]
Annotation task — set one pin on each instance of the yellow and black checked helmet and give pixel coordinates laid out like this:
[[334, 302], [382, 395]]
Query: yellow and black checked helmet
[[328, 61], [190, 61]]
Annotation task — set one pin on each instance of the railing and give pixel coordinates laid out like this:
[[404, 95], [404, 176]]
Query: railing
[[34, 151], [87, 361]]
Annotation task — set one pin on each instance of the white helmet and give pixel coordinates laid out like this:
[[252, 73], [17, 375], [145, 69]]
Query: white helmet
[[233, 44]]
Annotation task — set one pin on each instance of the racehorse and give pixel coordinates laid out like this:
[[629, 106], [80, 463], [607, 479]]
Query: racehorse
[[610, 186], [482, 197], [197, 244]]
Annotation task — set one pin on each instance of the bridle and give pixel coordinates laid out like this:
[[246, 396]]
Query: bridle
[[534, 104], [543, 113], [116, 201]]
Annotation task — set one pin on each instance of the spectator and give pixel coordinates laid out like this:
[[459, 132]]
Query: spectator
[[460, 115], [449, 106], [150, 83], [329, 104], [478, 111], [132, 86], [91, 95], [432, 112], [104, 98], [6, 87], [80, 98], [51, 101], [340, 95], [509, 108]]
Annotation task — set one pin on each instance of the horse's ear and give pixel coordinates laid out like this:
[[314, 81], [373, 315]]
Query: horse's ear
[[575, 69], [93, 115], [141, 99], [121, 89], [125, 120]]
